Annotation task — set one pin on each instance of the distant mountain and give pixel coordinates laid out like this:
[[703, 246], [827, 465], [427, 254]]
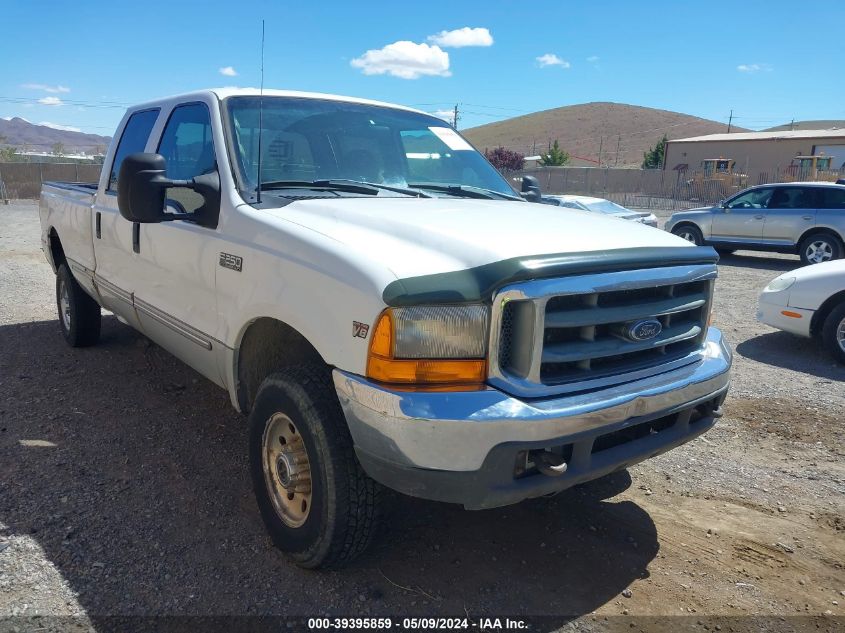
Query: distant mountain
[[29, 137], [584, 129], [808, 125]]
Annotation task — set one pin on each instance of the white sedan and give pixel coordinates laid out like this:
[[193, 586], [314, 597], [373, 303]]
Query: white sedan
[[809, 301], [600, 205]]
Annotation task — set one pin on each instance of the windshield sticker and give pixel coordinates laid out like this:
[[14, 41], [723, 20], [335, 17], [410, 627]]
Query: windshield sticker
[[452, 139]]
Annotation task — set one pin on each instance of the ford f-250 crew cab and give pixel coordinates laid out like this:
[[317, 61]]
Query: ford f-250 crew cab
[[385, 307]]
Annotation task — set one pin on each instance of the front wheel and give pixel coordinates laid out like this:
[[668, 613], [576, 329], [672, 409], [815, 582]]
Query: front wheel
[[79, 314], [820, 247], [317, 503], [690, 233], [833, 332]]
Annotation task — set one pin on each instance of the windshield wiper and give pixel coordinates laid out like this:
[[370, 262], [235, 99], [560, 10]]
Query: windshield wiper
[[466, 191], [341, 184]]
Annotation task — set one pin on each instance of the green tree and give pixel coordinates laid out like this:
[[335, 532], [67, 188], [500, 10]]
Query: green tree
[[8, 154], [653, 158], [555, 157], [58, 149]]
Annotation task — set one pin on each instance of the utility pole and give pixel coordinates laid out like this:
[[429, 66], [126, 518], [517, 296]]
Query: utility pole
[[730, 120], [601, 145], [455, 117], [618, 143], [792, 125]]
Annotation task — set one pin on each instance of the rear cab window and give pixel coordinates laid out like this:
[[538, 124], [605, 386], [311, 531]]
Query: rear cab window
[[134, 139]]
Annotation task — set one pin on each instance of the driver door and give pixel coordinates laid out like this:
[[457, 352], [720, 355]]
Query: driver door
[[741, 219], [175, 283]]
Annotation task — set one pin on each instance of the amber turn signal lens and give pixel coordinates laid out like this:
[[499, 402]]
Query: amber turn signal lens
[[382, 367]]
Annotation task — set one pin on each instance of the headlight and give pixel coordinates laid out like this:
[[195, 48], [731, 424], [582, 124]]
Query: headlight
[[430, 345], [780, 283]]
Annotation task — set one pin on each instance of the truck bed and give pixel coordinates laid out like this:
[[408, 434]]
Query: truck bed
[[66, 208]]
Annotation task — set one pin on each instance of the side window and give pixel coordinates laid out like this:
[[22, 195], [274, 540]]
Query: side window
[[187, 146], [133, 140], [792, 198], [754, 199], [832, 199]]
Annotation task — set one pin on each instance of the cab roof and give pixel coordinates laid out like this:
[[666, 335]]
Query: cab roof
[[224, 93]]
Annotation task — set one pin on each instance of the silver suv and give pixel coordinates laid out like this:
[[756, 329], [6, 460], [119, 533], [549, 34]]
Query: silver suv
[[806, 218]]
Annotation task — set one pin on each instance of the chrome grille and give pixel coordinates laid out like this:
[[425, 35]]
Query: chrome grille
[[568, 334]]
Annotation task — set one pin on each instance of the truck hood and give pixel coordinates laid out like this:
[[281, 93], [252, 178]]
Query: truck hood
[[413, 236]]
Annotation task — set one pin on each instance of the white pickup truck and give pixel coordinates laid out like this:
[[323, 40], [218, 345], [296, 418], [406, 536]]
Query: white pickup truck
[[385, 307]]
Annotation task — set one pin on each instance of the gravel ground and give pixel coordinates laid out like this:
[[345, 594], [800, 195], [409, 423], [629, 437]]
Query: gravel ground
[[125, 492]]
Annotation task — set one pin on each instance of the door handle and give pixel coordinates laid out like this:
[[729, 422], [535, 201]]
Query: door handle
[[807, 217], [97, 223], [136, 237], [759, 217]]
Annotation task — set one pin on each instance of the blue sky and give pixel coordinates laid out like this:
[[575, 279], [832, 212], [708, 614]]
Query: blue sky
[[77, 64]]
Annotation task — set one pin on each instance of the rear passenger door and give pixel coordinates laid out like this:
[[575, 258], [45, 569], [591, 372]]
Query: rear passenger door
[[791, 211], [114, 236]]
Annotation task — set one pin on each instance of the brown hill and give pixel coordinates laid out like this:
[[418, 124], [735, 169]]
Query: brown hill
[[584, 129], [29, 137], [827, 124]]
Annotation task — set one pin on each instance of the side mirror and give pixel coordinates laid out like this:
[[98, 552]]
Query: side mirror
[[142, 187], [530, 189]]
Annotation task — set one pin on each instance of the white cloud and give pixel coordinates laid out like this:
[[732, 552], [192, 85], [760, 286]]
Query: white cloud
[[51, 101], [228, 71], [405, 60], [446, 115], [57, 126], [46, 88], [753, 68], [549, 59], [462, 37], [593, 59]]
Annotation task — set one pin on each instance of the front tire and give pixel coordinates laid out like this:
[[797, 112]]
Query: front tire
[[833, 333], [317, 503], [690, 233], [820, 247], [79, 315]]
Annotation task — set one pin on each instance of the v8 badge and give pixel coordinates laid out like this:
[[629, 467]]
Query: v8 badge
[[360, 330]]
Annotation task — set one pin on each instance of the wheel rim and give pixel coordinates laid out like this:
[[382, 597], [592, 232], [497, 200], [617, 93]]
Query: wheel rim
[[689, 236], [287, 470], [819, 251], [64, 304], [840, 335]]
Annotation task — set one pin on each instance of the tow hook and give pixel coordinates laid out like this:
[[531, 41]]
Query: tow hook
[[549, 463]]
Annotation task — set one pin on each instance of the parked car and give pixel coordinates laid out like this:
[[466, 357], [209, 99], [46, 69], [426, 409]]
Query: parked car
[[385, 307], [600, 205], [809, 301], [805, 218]]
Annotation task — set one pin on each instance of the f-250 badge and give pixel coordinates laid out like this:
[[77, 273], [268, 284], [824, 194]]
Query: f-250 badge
[[360, 329], [231, 261]]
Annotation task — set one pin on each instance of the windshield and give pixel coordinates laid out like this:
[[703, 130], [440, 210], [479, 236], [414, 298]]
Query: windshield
[[605, 206], [307, 140]]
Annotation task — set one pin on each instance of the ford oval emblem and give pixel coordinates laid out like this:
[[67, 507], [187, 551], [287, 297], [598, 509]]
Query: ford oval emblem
[[644, 329]]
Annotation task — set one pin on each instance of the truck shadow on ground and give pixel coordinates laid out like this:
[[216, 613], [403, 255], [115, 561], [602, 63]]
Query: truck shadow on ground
[[796, 353], [138, 493]]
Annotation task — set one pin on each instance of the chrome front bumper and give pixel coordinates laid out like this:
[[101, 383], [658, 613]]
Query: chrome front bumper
[[455, 431]]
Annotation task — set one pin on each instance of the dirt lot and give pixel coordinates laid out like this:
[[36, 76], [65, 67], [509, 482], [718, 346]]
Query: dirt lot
[[125, 492]]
